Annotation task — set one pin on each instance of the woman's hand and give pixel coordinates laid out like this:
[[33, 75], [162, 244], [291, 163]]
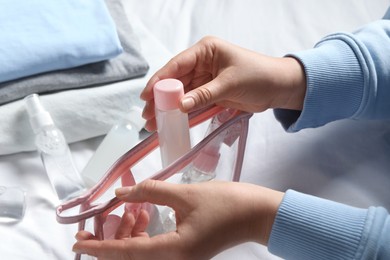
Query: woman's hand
[[211, 216], [215, 71]]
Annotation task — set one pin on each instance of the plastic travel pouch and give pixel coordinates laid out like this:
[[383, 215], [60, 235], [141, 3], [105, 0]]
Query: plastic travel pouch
[[219, 155], [12, 204]]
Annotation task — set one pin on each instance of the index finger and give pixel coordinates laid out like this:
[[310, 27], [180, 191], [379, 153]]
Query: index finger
[[156, 192], [178, 67]]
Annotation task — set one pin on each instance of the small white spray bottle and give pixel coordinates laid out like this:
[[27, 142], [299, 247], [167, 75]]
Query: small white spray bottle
[[54, 151]]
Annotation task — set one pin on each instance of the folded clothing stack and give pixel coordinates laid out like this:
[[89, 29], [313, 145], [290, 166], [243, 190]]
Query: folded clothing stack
[[39, 36], [44, 46], [83, 113]]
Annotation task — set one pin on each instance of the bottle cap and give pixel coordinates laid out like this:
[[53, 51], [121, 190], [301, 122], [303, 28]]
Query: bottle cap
[[167, 94], [39, 117]]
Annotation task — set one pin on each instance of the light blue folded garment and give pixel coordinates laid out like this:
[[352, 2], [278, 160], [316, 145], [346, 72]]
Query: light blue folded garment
[[129, 64], [42, 35]]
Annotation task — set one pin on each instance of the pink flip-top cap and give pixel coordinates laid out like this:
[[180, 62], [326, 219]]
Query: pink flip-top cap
[[167, 94]]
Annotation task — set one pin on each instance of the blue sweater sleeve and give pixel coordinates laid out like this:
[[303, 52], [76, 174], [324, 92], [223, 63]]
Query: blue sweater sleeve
[[348, 76], [308, 227]]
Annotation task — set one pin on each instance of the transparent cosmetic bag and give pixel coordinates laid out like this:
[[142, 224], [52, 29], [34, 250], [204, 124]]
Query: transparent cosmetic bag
[[220, 137]]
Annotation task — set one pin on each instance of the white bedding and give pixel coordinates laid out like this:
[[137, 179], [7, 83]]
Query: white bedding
[[345, 161]]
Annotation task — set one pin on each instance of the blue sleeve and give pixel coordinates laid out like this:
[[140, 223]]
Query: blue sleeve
[[348, 76], [308, 227]]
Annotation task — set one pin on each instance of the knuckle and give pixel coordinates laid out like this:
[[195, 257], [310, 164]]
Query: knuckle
[[147, 187], [203, 96], [175, 65]]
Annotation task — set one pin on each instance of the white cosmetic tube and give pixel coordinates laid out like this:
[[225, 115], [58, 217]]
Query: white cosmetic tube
[[172, 124], [122, 137]]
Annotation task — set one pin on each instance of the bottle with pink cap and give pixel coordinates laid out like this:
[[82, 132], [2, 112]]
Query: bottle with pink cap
[[174, 137], [172, 124], [173, 132]]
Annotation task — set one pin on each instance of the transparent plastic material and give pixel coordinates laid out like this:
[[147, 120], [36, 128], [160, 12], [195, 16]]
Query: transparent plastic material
[[121, 138], [57, 160], [54, 151], [201, 169], [173, 135], [204, 165], [12, 204], [94, 209]]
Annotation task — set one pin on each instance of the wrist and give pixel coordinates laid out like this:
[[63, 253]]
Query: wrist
[[267, 206], [293, 84]]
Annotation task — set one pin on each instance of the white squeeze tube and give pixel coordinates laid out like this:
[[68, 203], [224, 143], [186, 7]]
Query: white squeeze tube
[[54, 151], [122, 137], [172, 124]]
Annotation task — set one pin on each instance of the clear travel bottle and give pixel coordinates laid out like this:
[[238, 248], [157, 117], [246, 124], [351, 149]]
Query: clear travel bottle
[[173, 132], [172, 124], [204, 165], [54, 151], [121, 138], [12, 204]]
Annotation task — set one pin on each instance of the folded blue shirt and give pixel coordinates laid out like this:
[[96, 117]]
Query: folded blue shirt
[[39, 35]]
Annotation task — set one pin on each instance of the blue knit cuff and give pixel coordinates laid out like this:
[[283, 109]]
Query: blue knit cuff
[[335, 83], [307, 227]]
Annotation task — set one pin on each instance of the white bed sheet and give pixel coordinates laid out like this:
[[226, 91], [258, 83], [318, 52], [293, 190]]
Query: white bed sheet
[[345, 161]]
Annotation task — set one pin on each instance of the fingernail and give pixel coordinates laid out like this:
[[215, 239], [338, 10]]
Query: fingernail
[[148, 128], [123, 191], [188, 103]]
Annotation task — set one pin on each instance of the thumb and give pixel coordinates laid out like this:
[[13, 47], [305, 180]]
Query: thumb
[[153, 191], [202, 96]]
